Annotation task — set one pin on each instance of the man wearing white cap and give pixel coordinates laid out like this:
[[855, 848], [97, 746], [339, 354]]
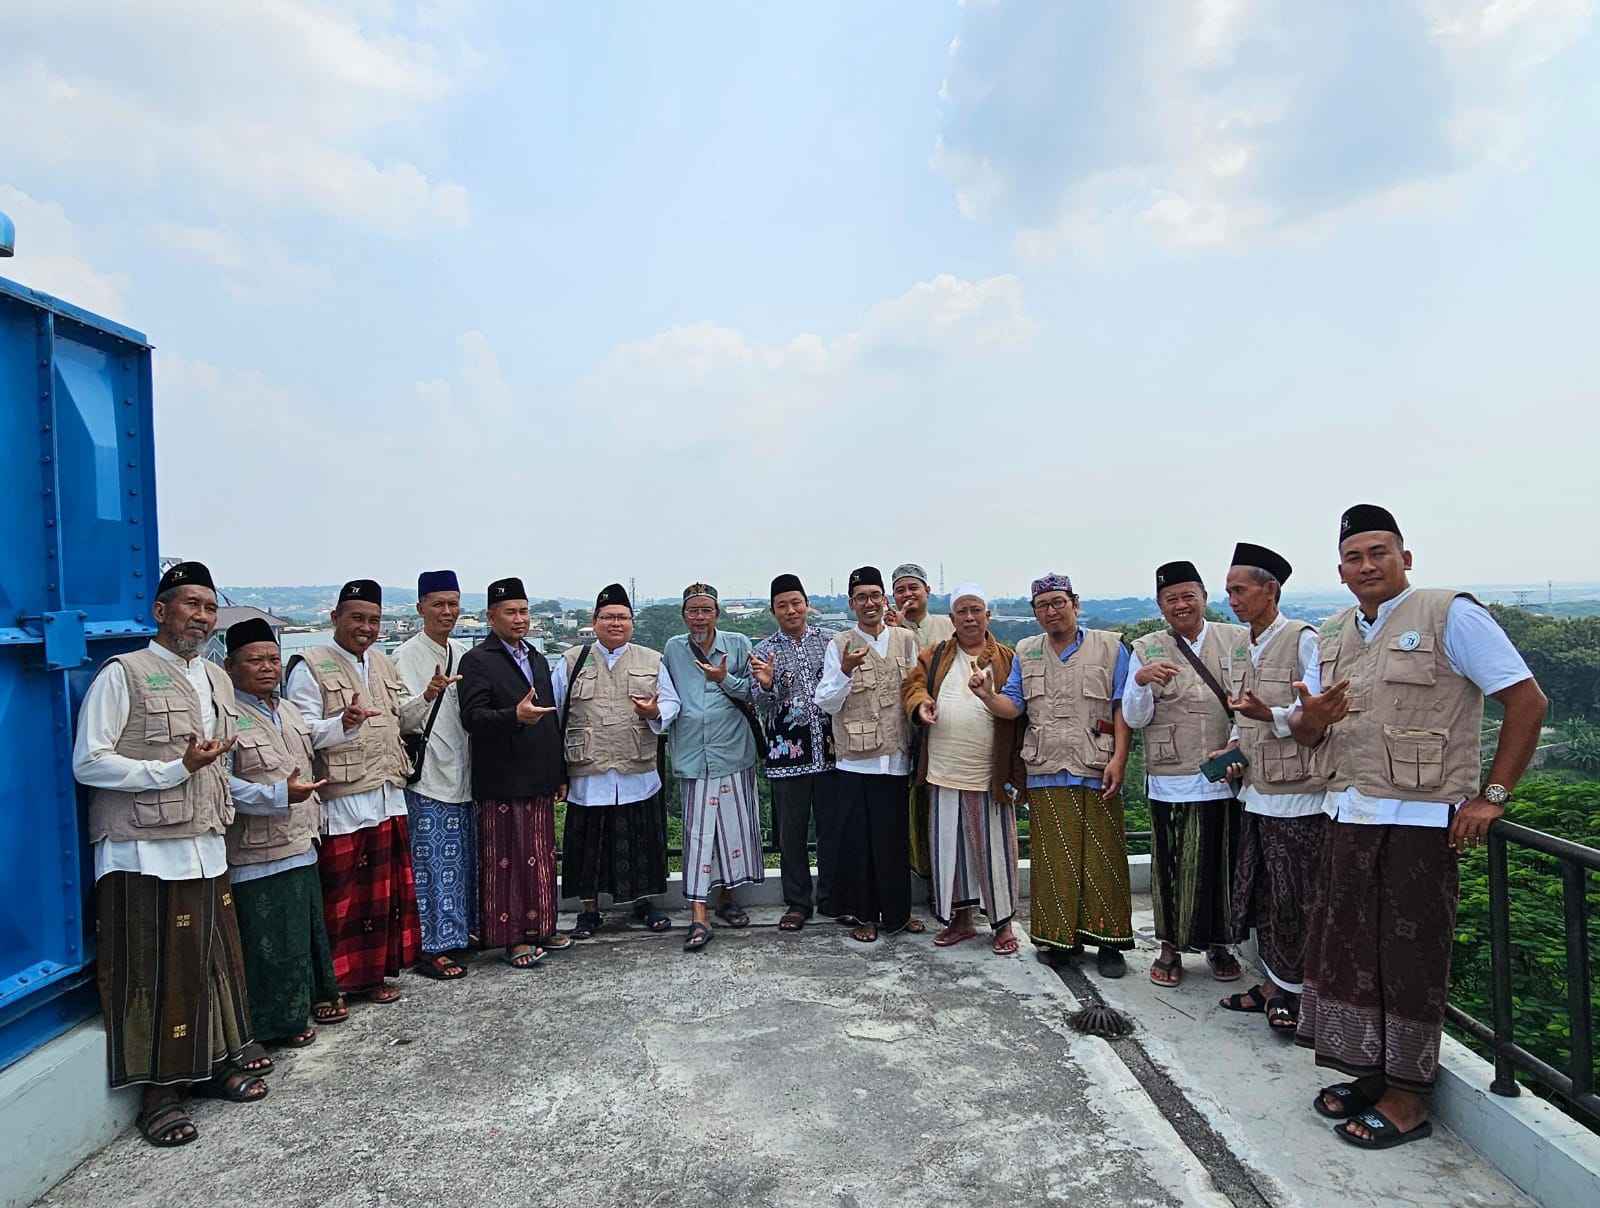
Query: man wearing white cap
[[971, 762]]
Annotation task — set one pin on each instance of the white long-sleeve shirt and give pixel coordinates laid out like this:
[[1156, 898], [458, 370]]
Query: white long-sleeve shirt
[[96, 763], [1477, 649], [832, 691], [447, 767], [1283, 805], [357, 811], [612, 787], [1139, 709]]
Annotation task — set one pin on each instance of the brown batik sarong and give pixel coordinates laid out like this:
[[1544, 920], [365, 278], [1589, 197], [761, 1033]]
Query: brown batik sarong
[[517, 870], [171, 978], [1273, 887], [1194, 846], [1079, 850], [1378, 952]]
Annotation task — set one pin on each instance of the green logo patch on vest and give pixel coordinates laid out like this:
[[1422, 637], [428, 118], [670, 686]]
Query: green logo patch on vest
[[327, 665], [245, 723], [1241, 652], [1330, 629], [1155, 650], [1034, 653], [159, 680]]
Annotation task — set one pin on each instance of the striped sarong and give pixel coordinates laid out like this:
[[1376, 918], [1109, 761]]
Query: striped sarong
[[1194, 849], [369, 901], [721, 833], [171, 978], [973, 846], [287, 958], [444, 859], [1080, 870], [516, 870]]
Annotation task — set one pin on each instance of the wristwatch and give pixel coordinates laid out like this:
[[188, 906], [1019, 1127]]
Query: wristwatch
[[1496, 794]]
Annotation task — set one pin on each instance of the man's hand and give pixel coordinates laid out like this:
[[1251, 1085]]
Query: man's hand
[[981, 681], [762, 669], [1236, 772], [1159, 672], [1250, 705], [528, 711], [1111, 782], [438, 683], [1324, 709], [1470, 827], [928, 712], [891, 616], [200, 754], [648, 707], [354, 715], [717, 673], [299, 789], [851, 657]]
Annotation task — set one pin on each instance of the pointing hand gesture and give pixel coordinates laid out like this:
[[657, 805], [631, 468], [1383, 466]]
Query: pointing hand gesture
[[1324, 709], [717, 673], [647, 706], [299, 789], [529, 712], [201, 754], [354, 714], [439, 683], [1250, 705], [762, 669], [1161, 672], [852, 657]]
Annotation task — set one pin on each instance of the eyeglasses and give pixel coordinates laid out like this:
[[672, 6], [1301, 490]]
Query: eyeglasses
[[876, 597], [1056, 605], [699, 612]]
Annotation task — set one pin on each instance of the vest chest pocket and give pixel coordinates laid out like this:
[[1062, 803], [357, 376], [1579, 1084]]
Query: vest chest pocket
[[166, 719], [861, 736], [865, 678], [1282, 760], [1275, 686], [1404, 663], [254, 753], [162, 807], [345, 764], [584, 687], [1416, 757], [1032, 684], [576, 744], [642, 684], [1160, 744]]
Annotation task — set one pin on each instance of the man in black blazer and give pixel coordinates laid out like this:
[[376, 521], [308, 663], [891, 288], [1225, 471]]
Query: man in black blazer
[[518, 773]]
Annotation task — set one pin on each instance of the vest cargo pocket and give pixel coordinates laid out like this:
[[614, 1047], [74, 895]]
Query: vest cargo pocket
[[1098, 750], [642, 683], [164, 719], [162, 807], [577, 744], [644, 743], [1282, 760], [583, 689], [345, 766], [257, 831], [1031, 740], [1415, 665], [1032, 683], [1416, 757], [864, 679], [861, 736], [1160, 744], [254, 754]]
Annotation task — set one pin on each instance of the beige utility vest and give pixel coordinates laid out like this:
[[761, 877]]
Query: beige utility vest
[[163, 714], [1412, 732], [603, 733], [872, 723], [1189, 721], [375, 756], [264, 755], [1277, 765], [1068, 704]]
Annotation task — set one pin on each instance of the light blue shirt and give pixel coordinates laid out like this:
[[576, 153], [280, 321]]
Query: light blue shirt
[[707, 735], [265, 799], [1013, 693]]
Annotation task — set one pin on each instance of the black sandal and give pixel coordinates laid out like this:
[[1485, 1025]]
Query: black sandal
[[733, 914], [1350, 1094], [524, 960], [699, 936], [163, 1125], [1283, 1013], [1248, 1003], [1386, 1134], [653, 919], [793, 920], [1224, 965], [235, 1085], [442, 967], [589, 921]]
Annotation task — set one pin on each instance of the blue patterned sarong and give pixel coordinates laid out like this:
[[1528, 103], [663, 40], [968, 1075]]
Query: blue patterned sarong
[[444, 855]]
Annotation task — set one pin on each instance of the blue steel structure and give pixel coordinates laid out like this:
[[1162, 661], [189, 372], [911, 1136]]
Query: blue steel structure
[[77, 571]]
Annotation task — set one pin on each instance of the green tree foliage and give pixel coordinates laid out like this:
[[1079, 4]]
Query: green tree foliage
[[1564, 656], [1570, 809]]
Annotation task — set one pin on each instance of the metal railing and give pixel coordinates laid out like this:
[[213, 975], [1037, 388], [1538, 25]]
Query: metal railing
[[1576, 1085]]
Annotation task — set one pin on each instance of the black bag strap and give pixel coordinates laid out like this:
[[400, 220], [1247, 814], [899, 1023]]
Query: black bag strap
[[438, 701], [583, 657], [1202, 671], [757, 730]]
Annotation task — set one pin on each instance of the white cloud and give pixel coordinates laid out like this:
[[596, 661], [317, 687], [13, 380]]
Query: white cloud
[[254, 267], [50, 256], [273, 103]]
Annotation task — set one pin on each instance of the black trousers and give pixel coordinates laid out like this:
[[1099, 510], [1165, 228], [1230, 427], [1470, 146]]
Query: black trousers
[[796, 801], [872, 869]]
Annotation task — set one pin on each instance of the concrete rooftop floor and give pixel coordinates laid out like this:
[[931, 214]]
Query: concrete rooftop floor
[[776, 1069]]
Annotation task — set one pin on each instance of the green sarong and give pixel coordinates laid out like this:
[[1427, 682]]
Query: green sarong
[[288, 963]]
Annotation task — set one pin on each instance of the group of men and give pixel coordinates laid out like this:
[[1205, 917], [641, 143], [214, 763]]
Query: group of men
[[268, 845]]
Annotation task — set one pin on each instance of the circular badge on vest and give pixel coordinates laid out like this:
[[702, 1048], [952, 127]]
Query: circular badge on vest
[[1409, 640]]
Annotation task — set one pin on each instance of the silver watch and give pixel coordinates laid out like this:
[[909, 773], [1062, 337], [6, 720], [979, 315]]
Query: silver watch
[[1496, 794]]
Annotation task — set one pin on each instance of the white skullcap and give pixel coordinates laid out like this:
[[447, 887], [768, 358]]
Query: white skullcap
[[968, 589]]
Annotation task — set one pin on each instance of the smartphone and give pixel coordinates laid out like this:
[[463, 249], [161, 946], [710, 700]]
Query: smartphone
[[1216, 768]]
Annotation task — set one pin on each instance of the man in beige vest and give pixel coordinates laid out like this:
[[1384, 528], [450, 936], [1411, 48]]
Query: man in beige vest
[[862, 673], [272, 848], [1281, 787], [153, 732], [368, 889], [615, 838], [1177, 690], [910, 584], [1408, 669], [1068, 683]]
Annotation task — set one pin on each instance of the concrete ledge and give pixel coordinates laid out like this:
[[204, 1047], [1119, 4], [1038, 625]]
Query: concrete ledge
[[1551, 1156], [55, 1111]]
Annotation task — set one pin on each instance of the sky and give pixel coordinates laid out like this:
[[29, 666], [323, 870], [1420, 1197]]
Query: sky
[[584, 292]]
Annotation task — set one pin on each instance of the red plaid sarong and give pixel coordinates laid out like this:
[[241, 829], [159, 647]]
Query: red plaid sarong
[[369, 899], [516, 870]]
